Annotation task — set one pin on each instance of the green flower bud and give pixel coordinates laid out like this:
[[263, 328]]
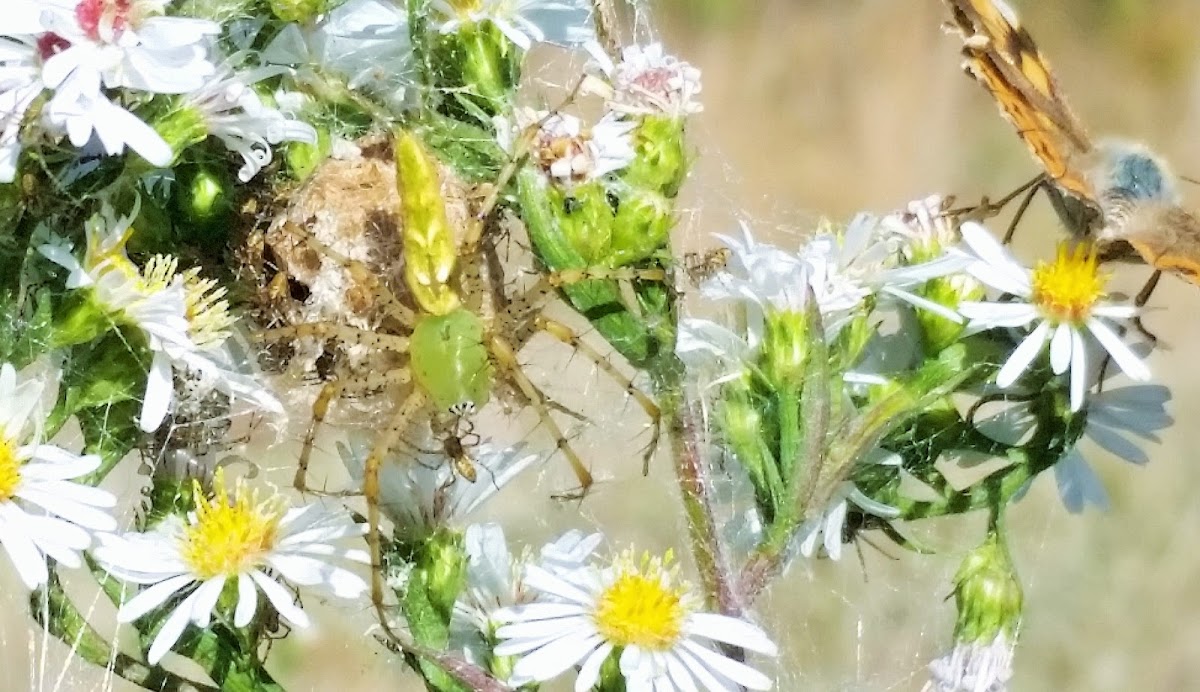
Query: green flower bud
[[784, 348], [478, 68], [949, 291], [300, 11], [987, 594], [80, 319], [642, 226], [442, 564], [585, 218], [204, 199], [662, 161], [181, 128], [743, 425], [302, 158]]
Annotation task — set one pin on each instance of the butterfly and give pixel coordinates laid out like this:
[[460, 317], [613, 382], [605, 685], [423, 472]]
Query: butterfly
[[1115, 193]]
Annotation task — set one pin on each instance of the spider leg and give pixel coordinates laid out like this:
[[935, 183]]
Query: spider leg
[[384, 444], [506, 358], [335, 390], [336, 330], [566, 335], [572, 276]]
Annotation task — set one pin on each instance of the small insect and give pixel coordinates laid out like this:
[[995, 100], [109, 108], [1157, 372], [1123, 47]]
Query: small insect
[[459, 437], [699, 266], [1115, 193]]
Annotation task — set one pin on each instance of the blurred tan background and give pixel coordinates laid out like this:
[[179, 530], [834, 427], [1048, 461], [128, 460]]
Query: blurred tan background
[[827, 107]]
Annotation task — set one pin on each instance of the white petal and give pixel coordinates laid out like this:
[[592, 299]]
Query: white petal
[[731, 630], [152, 597], [174, 626], [589, 673], [1079, 372], [59, 464], [1078, 484], [205, 599], [552, 660], [739, 672], [247, 601], [28, 560], [1022, 356], [281, 598], [1126, 359], [1061, 348], [160, 389]]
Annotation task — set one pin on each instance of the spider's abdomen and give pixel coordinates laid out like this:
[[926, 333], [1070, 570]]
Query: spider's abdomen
[[449, 359]]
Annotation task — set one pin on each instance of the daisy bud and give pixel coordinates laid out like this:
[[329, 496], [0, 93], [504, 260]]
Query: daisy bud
[[784, 348], [585, 219], [949, 291], [479, 63], [300, 11], [743, 425], [204, 197], [80, 319], [302, 157], [989, 611], [438, 576], [642, 226], [444, 563], [987, 594], [662, 160]]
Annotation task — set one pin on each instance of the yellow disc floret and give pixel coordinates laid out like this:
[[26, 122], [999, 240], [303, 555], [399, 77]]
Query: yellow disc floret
[[209, 321], [230, 535], [1066, 290], [642, 607], [10, 469]]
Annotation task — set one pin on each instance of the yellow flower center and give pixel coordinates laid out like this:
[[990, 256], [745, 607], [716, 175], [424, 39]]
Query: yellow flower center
[[10, 469], [207, 309], [641, 607], [230, 535], [1066, 290], [465, 7]]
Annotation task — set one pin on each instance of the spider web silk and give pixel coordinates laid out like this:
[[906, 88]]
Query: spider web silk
[[837, 107]]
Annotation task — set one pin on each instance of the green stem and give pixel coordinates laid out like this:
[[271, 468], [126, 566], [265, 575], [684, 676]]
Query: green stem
[[685, 421], [53, 610]]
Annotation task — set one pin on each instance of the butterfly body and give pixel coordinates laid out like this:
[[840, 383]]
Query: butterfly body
[[1115, 193]]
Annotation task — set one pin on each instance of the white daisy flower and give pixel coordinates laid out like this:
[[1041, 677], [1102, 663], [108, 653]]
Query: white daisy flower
[[115, 44], [762, 278], [233, 113], [637, 610], [42, 512], [648, 81], [524, 22], [424, 491], [924, 227], [973, 667], [1065, 300], [367, 42], [89, 46], [494, 581], [827, 526], [257, 544], [185, 319], [564, 149], [20, 85]]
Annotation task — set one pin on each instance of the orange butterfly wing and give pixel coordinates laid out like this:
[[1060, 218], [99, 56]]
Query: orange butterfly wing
[[1002, 56]]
